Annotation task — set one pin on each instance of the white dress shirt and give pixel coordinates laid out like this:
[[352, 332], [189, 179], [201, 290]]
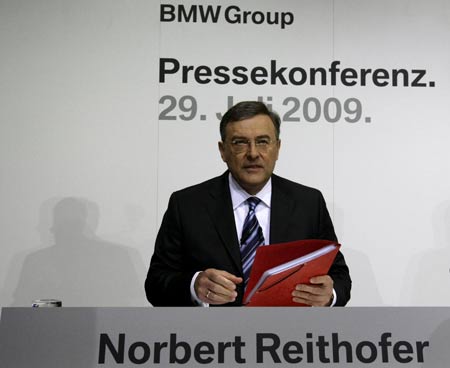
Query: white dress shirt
[[240, 208]]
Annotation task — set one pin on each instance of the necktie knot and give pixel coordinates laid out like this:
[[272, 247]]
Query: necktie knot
[[252, 203]]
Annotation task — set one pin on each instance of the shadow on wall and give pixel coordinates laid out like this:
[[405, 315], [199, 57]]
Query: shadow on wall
[[427, 281], [365, 291], [79, 268]]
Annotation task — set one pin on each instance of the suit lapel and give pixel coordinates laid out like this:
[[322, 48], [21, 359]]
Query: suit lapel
[[221, 211], [281, 211]]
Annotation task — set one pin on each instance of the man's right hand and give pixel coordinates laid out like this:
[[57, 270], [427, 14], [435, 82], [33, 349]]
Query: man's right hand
[[216, 287]]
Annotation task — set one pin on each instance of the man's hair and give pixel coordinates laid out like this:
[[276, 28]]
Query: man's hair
[[246, 110]]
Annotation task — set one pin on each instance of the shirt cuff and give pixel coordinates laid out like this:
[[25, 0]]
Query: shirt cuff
[[194, 297], [334, 299]]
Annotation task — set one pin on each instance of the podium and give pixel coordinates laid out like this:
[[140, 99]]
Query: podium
[[225, 337]]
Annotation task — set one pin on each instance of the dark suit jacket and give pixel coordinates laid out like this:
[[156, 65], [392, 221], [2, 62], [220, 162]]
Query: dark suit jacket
[[198, 231]]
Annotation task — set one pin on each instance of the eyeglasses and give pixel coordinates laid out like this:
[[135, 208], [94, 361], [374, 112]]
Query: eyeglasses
[[263, 144]]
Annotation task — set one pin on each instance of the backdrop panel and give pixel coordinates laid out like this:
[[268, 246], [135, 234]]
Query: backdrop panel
[[107, 107]]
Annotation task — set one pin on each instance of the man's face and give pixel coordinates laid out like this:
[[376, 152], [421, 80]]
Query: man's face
[[250, 151]]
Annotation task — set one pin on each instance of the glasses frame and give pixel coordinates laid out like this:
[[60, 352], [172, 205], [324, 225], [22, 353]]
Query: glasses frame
[[262, 144]]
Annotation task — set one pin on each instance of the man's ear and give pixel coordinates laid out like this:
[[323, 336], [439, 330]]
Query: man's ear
[[278, 147], [220, 144]]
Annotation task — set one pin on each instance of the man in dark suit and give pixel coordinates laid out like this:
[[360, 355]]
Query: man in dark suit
[[199, 257]]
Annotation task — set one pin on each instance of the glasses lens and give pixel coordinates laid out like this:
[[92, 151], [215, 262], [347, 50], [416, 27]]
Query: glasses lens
[[240, 145]]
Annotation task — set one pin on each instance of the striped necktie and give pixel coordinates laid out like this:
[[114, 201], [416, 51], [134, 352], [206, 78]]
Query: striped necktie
[[252, 238]]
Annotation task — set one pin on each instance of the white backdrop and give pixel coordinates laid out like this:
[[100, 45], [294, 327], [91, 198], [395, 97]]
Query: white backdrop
[[91, 147]]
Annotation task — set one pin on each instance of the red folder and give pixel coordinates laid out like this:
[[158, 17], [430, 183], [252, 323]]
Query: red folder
[[278, 268]]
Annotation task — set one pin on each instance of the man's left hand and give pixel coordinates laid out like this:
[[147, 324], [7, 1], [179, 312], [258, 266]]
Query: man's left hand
[[319, 293]]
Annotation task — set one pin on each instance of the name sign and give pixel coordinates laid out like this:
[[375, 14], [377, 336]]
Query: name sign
[[227, 337]]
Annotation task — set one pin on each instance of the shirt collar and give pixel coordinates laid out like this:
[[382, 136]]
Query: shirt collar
[[239, 195]]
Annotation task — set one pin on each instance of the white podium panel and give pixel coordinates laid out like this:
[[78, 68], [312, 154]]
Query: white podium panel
[[224, 337]]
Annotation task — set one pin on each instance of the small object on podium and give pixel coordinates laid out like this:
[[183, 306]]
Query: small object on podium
[[278, 268], [46, 303]]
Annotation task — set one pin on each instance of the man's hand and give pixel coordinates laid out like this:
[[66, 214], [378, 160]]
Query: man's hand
[[216, 287], [318, 294]]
